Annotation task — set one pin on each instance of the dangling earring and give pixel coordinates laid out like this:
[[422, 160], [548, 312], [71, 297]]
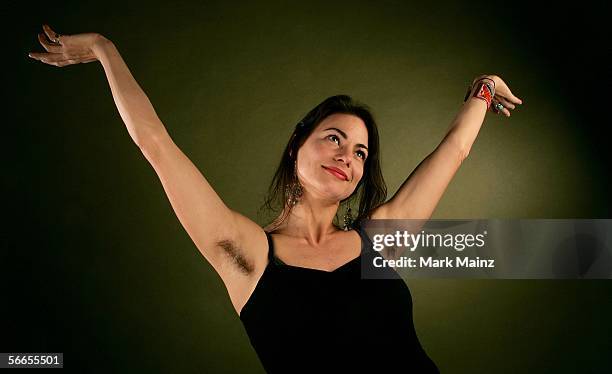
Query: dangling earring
[[348, 219], [294, 190]]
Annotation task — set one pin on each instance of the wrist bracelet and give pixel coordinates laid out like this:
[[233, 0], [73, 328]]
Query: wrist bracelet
[[483, 91], [492, 87], [486, 94]]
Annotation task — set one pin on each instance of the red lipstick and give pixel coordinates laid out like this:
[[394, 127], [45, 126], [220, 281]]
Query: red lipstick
[[337, 172]]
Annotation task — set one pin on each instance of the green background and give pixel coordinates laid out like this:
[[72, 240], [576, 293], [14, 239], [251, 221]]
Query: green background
[[103, 270]]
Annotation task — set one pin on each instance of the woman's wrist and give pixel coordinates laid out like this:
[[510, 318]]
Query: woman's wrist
[[482, 89], [99, 45]]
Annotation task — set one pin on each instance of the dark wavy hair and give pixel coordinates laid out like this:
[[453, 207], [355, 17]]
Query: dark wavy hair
[[371, 191]]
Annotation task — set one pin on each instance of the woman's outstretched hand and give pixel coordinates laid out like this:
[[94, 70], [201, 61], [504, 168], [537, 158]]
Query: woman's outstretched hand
[[503, 96], [65, 50]]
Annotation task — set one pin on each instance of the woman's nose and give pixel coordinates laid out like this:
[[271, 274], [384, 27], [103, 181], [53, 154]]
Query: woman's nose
[[343, 156]]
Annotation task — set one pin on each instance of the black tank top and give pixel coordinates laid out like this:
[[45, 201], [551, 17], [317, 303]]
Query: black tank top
[[307, 320]]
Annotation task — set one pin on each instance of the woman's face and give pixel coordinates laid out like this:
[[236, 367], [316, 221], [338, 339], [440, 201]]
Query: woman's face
[[339, 141]]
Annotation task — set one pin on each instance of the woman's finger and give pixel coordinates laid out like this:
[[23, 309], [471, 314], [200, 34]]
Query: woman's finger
[[37, 55], [60, 63], [54, 59], [48, 46], [48, 57], [508, 95], [495, 110], [511, 98], [505, 111], [52, 35], [516, 100], [505, 102]]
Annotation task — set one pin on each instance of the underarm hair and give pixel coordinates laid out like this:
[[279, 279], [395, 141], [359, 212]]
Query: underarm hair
[[235, 254]]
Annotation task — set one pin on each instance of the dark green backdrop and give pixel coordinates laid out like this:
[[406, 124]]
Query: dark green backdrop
[[105, 273]]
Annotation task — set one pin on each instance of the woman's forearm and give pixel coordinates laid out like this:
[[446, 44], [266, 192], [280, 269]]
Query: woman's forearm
[[466, 124], [133, 104], [419, 195]]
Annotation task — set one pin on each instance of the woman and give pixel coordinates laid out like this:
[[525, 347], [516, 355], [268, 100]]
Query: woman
[[296, 283]]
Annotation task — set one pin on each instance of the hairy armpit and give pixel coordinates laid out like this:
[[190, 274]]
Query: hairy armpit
[[236, 255]]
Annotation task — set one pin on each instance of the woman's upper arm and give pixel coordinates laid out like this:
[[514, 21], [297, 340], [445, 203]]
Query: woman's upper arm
[[233, 244]]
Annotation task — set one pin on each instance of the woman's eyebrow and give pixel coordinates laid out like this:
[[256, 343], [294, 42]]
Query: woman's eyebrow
[[344, 136]]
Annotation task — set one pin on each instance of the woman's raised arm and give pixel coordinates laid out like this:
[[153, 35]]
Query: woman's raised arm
[[420, 193], [234, 245], [133, 105]]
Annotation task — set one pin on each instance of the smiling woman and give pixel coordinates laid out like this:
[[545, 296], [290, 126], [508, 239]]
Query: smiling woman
[[308, 308], [296, 283], [339, 134]]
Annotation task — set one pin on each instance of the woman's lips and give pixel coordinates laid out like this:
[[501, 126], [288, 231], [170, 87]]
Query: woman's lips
[[336, 174]]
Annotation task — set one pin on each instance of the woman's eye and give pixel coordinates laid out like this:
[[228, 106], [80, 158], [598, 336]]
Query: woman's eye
[[334, 138]]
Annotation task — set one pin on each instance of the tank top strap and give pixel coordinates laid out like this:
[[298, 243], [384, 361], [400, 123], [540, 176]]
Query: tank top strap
[[272, 259], [270, 246], [367, 244]]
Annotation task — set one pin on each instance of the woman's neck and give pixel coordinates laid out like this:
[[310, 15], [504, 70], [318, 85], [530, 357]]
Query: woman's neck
[[309, 222]]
